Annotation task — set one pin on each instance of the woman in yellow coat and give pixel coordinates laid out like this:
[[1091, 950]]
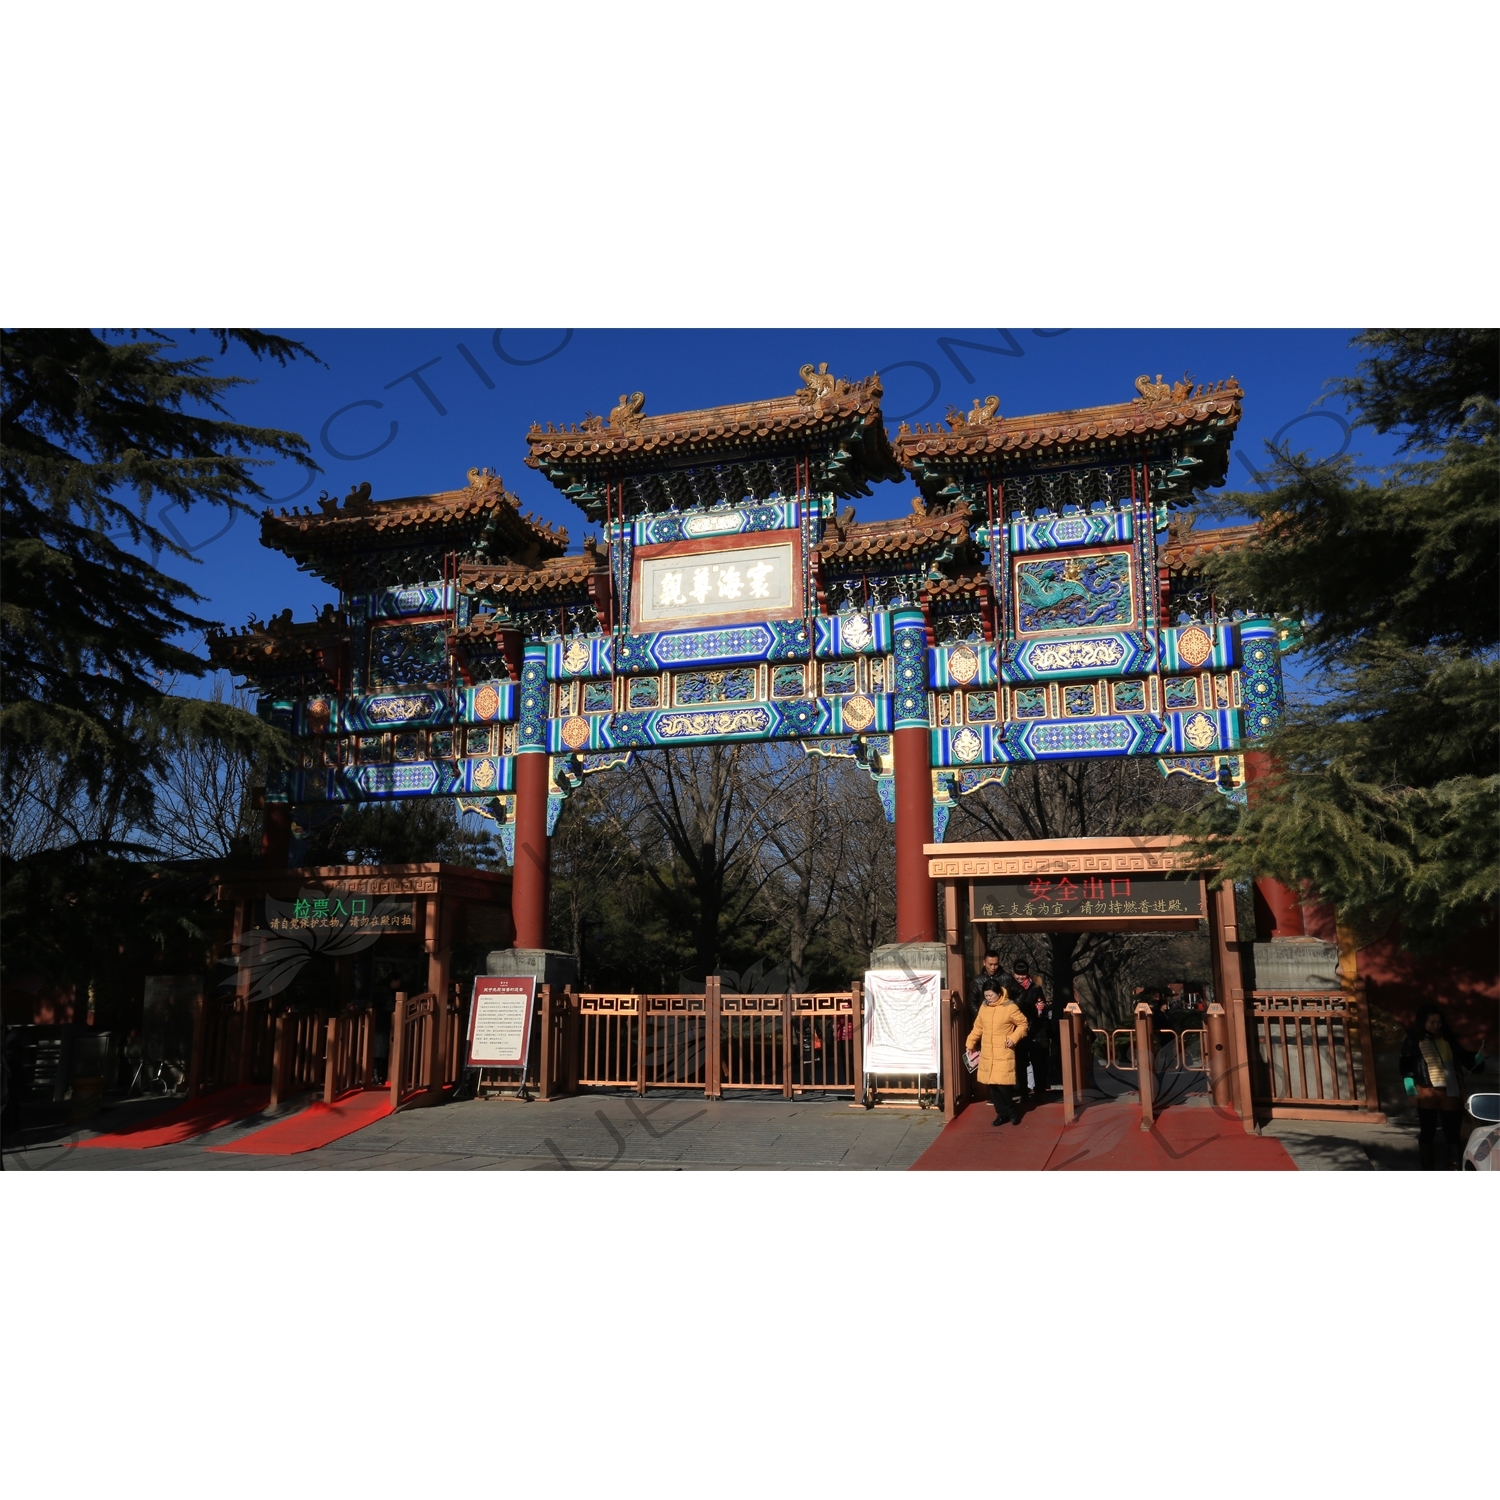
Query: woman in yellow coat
[[997, 1028]]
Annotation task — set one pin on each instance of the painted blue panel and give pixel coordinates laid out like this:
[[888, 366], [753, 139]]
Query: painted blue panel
[[1120, 653], [1052, 532], [1201, 732], [1261, 685], [1197, 648], [730, 520], [492, 702], [430, 706], [909, 629], [415, 599], [853, 634], [967, 664], [1085, 592], [578, 656], [770, 640]]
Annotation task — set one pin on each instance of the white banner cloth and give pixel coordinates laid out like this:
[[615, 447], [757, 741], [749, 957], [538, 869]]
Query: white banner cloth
[[903, 1021]]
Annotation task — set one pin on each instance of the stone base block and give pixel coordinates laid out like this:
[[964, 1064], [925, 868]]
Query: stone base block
[[545, 965]]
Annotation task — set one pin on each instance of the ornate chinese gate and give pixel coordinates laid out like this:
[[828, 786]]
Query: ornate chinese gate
[[1039, 602]]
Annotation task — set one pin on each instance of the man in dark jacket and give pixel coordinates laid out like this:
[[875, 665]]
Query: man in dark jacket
[[986, 979], [1041, 1025]]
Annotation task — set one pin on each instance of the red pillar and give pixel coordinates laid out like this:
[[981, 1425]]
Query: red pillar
[[916, 895], [276, 836], [530, 878], [1278, 909]]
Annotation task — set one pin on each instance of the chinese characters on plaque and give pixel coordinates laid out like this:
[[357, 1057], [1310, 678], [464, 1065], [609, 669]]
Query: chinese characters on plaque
[[343, 910], [679, 586], [1038, 897]]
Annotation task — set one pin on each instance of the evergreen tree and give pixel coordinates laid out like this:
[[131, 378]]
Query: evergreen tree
[[91, 433], [1385, 792]]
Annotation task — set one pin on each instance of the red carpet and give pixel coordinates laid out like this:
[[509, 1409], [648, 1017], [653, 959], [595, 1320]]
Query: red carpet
[[1104, 1138], [314, 1126], [189, 1119]]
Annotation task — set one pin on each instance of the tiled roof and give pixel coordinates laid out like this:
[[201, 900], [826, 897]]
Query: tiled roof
[[1192, 424], [481, 517], [834, 426], [553, 575], [279, 649], [1187, 549], [863, 541]]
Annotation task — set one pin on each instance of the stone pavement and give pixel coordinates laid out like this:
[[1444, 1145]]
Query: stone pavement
[[592, 1133], [617, 1131], [1317, 1146]]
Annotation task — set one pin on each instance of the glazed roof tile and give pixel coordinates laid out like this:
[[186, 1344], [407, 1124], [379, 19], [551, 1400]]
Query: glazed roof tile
[[507, 580], [909, 535], [481, 517], [1157, 410]]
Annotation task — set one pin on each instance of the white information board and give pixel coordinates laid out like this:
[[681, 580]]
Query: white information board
[[903, 1021], [500, 1021]]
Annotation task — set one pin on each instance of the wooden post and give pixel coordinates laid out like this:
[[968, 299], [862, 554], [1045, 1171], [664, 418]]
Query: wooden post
[[786, 1046], [435, 940], [544, 1082], [857, 990], [952, 1003], [1072, 1025], [1218, 1057], [713, 1021], [1229, 981], [398, 1046], [278, 1061], [200, 1041], [572, 1031], [330, 1067], [642, 1010], [1145, 1063], [367, 1047]]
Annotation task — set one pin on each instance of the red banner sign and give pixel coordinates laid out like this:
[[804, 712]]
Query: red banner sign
[[500, 1021]]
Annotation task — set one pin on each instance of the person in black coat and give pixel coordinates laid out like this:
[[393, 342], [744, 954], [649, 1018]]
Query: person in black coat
[[1433, 1067], [1041, 1032]]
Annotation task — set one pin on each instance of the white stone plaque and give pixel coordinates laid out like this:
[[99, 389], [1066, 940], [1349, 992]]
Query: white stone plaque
[[678, 587]]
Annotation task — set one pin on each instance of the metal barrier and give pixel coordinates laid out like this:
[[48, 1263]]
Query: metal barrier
[[349, 1054], [1309, 1050], [752, 1042], [715, 1042], [297, 1060], [609, 1042], [822, 1041], [674, 1042]]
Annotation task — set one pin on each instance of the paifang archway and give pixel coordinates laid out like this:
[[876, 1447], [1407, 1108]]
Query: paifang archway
[[1039, 602]]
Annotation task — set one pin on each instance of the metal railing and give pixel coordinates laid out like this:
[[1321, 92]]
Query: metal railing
[[715, 1042], [822, 1041], [1308, 1048]]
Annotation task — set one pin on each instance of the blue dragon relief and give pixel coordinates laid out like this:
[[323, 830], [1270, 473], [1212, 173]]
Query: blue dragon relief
[[1075, 593]]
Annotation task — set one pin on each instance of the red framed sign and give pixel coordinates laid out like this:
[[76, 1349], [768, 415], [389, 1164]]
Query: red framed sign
[[500, 1021]]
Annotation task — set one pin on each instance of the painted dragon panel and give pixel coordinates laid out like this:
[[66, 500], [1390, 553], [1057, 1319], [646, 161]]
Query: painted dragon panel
[[1085, 591]]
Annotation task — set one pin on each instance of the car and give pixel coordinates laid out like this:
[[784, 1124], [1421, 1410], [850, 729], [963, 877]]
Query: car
[[1482, 1153]]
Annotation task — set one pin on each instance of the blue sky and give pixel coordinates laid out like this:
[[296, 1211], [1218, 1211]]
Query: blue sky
[[409, 446]]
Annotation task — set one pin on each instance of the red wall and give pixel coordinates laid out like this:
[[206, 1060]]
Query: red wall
[[1464, 979]]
